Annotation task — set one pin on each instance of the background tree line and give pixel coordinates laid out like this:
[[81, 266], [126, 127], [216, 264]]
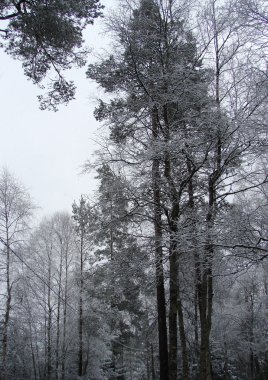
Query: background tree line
[[163, 274]]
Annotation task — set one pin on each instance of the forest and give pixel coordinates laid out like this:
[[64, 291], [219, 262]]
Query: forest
[[162, 273]]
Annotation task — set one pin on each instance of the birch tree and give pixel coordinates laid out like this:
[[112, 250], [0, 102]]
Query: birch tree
[[15, 212]]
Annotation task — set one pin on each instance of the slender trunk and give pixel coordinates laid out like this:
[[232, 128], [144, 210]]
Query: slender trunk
[[58, 317], [196, 319], [39, 366], [64, 319], [49, 328], [31, 335], [64, 343], [197, 269], [173, 308], [183, 340], [205, 293], [80, 332], [160, 287], [176, 310], [173, 257], [114, 345], [205, 311], [7, 311], [80, 323], [45, 337], [251, 337], [57, 340], [5, 336]]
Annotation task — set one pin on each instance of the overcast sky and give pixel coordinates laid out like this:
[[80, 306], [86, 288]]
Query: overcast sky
[[44, 149]]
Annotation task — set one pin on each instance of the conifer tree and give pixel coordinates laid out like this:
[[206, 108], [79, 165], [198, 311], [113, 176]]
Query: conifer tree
[[157, 118]]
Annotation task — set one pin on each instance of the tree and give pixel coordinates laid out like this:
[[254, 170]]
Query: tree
[[155, 121], [121, 272], [47, 36], [83, 221], [238, 105], [15, 212]]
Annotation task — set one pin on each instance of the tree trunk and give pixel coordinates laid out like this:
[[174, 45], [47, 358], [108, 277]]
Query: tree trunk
[[64, 318], [58, 316], [176, 310], [183, 340], [205, 295], [173, 308], [205, 292], [49, 328], [197, 270], [7, 311], [160, 287], [45, 337], [80, 323]]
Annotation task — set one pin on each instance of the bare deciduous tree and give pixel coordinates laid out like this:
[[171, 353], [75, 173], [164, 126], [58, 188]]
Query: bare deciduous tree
[[15, 212]]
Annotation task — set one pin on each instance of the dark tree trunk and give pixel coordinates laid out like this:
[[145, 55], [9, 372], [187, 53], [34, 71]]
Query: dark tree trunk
[[197, 270], [205, 295], [205, 291], [7, 313], [64, 348], [176, 310], [160, 287], [80, 322], [161, 299], [183, 340], [173, 308], [49, 328], [58, 316]]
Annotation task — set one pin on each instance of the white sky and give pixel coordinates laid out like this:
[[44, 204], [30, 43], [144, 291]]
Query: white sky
[[44, 149]]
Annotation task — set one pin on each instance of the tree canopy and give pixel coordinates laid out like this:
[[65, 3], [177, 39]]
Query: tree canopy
[[47, 36]]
